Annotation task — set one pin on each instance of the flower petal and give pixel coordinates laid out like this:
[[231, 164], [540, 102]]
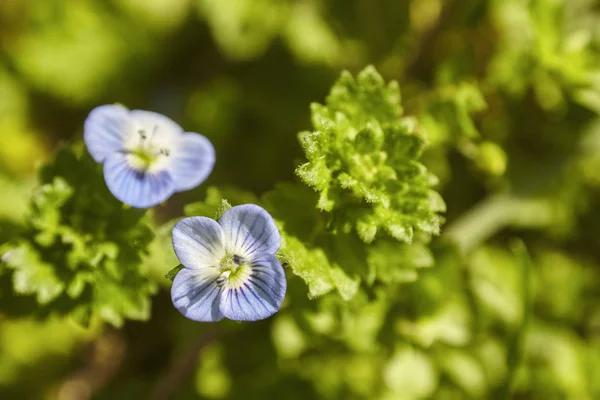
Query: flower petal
[[249, 230], [192, 161], [198, 242], [195, 294], [105, 131], [136, 188], [259, 295], [149, 118]]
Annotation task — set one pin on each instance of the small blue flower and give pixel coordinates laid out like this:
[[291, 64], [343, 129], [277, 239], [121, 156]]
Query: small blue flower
[[147, 157], [230, 269]]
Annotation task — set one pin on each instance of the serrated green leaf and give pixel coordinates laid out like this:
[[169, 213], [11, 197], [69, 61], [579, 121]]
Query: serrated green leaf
[[366, 98], [32, 275], [214, 201], [346, 286], [78, 284], [391, 262], [224, 206], [366, 229], [82, 250], [364, 156], [311, 265]]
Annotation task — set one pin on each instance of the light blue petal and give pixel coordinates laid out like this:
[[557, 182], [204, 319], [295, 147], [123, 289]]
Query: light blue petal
[[195, 294], [138, 189], [249, 230], [192, 161], [150, 118], [104, 131], [198, 242], [260, 296]]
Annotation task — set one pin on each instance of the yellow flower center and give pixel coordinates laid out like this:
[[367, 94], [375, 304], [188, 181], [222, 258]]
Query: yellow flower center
[[145, 155], [235, 270]]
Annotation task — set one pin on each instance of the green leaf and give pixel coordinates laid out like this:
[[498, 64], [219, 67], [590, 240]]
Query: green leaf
[[215, 204], [311, 265], [411, 373], [365, 98], [32, 275], [173, 271], [287, 204], [288, 338], [363, 161], [390, 262], [224, 206], [81, 251], [448, 116], [346, 286]]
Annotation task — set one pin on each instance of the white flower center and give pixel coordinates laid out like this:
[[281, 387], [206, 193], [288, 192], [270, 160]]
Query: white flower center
[[235, 271], [148, 148]]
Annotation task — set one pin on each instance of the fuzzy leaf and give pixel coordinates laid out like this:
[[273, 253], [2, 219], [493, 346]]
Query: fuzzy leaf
[[363, 160], [32, 275], [218, 200], [81, 252], [311, 265]]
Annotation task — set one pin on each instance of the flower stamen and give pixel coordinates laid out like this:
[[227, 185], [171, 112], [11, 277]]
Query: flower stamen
[[144, 155], [222, 279], [143, 135], [239, 260], [235, 270]]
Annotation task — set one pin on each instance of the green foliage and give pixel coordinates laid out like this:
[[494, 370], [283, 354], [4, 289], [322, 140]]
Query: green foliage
[[310, 265], [81, 250], [537, 38], [24, 344], [505, 95], [173, 272], [393, 263], [363, 165], [363, 161], [212, 379], [245, 29], [448, 113], [79, 45], [217, 201], [452, 332]]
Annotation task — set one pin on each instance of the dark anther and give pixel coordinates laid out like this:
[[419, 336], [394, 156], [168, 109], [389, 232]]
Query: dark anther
[[221, 280], [238, 260], [142, 133], [164, 152]]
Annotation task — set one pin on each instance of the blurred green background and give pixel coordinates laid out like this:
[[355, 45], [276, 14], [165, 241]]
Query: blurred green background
[[507, 93]]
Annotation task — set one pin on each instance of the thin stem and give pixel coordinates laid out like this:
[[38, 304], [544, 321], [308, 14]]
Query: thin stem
[[181, 367], [104, 358]]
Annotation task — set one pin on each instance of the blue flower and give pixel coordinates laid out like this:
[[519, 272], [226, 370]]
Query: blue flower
[[147, 157], [230, 269]]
